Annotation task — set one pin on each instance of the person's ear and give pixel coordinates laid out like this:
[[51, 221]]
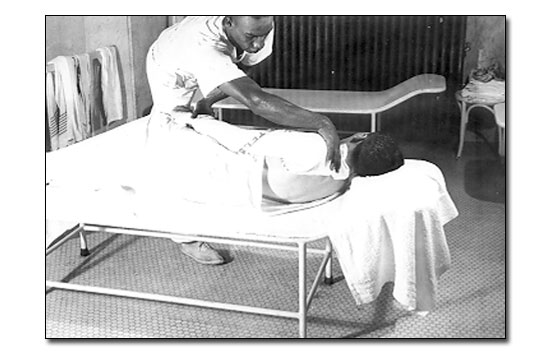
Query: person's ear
[[355, 158], [227, 21]]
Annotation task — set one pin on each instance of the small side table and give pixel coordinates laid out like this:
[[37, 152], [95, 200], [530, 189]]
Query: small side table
[[466, 104]]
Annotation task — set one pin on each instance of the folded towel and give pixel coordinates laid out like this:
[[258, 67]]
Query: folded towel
[[493, 90]]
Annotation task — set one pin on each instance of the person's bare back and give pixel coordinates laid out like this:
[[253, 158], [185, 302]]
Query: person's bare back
[[281, 185]]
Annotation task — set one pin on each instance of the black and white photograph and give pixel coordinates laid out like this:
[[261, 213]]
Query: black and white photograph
[[274, 177]]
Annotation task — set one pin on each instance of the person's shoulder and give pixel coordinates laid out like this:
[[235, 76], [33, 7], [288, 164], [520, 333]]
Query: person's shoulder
[[208, 24], [209, 33]]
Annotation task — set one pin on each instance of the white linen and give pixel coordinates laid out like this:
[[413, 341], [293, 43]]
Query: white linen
[[180, 162], [392, 230], [106, 160], [492, 91], [156, 159], [66, 107], [301, 153], [111, 86]]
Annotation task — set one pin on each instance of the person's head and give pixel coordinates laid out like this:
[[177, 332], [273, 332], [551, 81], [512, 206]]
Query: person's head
[[376, 155], [248, 33]]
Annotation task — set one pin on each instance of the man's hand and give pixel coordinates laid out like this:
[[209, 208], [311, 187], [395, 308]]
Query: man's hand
[[358, 137], [202, 107], [330, 136]]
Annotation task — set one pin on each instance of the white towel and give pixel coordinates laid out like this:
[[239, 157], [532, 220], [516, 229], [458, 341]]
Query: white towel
[[68, 123], [111, 86], [54, 98], [493, 90], [390, 228], [84, 82]]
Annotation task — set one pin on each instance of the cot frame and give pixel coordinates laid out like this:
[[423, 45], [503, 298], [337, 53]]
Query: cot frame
[[299, 245]]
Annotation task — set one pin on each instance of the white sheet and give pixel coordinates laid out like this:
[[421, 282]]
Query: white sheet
[[385, 228], [301, 153], [157, 161]]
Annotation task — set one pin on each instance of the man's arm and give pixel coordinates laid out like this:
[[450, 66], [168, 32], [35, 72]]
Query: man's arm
[[282, 112], [203, 106]]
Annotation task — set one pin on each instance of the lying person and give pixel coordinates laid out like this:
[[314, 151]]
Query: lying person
[[295, 168]]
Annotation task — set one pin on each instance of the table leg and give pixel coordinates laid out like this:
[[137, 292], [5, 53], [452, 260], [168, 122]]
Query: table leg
[[302, 307], [504, 141], [218, 112], [501, 133], [373, 122], [463, 123]]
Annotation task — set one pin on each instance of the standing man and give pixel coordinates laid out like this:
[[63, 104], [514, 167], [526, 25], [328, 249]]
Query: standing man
[[202, 53]]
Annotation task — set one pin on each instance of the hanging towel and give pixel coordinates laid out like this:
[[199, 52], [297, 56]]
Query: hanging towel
[[67, 117], [85, 89], [111, 88], [98, 117], [55, 127]]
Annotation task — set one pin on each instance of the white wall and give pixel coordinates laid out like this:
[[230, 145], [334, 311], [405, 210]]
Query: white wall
[[485, 36], [132, 36]]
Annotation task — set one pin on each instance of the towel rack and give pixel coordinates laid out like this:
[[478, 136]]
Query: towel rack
[[93, 55]]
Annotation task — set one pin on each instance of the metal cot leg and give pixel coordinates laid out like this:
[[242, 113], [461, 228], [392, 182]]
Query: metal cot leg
[[84, 251], [329, 267], [302, 307]]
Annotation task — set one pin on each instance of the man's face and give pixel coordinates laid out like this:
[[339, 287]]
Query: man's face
[[248, 33]]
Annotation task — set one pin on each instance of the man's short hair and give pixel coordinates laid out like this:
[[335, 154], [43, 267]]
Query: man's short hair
[[377, 155], [254, 17]]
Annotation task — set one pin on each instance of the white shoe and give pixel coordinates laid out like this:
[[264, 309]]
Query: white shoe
[[202, 253]]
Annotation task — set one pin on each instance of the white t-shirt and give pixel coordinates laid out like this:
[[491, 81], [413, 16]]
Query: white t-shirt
[[196, 54]]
